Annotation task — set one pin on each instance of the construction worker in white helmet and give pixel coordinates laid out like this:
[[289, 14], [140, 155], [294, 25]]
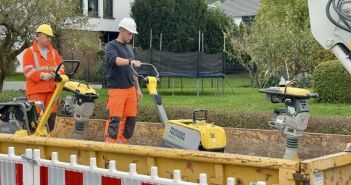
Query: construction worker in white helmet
[[123, 86], [39, 64]]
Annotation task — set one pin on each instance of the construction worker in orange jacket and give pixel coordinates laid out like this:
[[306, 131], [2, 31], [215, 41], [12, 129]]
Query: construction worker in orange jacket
[[123, 87], [39, 64]]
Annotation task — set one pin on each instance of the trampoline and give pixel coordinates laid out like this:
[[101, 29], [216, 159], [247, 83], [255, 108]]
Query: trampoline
[[197, 65]]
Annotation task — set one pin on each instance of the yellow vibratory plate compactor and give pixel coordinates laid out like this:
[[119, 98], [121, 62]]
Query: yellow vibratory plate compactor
[[20, 116], [190, 134]]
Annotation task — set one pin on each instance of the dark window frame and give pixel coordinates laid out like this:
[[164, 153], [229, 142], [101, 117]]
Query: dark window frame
[[93, 13], [108, 11]]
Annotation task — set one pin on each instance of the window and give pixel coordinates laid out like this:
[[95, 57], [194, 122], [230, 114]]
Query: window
[[93, 8], [108, 8], [248, 20]]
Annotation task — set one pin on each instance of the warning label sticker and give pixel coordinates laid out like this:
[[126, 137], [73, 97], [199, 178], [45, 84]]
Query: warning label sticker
[[318, 178]]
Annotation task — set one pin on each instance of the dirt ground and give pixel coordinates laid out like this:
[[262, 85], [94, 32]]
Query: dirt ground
[[256, 142]]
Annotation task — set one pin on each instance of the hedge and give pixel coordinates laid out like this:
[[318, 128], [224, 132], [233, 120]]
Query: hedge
[[240, 119], [332, 82]]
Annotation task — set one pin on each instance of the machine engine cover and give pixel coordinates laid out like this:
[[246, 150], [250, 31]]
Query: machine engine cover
[[185, 134], [81, 89]]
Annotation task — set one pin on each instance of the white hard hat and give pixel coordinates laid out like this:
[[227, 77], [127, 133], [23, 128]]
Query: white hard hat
[[128, 24]]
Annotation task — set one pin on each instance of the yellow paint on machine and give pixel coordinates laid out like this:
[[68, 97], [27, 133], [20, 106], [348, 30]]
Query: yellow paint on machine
[[218, 166], [212, 136]]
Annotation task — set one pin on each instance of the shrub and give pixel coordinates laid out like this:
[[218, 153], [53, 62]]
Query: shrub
[[239, 119], [332, 83]]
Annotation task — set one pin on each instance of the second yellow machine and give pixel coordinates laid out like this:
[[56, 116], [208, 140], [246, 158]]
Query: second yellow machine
[[190, 134]]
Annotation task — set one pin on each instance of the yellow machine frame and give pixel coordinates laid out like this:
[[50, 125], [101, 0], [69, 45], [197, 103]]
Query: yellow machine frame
[[211, 137], [60, 80]]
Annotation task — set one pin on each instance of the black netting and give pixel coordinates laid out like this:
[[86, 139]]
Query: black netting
[[191, 64], [175, 64], [144, 56], [211, 65]]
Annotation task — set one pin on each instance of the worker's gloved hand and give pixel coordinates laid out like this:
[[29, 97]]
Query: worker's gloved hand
[[135, 63], [46, 76]]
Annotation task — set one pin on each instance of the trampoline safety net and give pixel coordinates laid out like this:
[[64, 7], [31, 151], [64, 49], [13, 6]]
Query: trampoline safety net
[[190, 64]]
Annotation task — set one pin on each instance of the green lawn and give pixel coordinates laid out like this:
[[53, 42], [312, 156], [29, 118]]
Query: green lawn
[[15, 77], [244, 98]]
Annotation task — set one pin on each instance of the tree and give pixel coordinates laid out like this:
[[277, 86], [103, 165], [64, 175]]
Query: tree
[[84, 46], [279, 42], [257, 54], [19, 20], [301, 52], [218, 24], [179, 21]]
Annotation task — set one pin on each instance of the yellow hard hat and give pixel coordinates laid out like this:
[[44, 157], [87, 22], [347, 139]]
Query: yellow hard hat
[[46, 29]]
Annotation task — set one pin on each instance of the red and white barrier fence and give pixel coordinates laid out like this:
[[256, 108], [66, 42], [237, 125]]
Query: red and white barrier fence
[[30, 169], [54, 172], [14, 169]]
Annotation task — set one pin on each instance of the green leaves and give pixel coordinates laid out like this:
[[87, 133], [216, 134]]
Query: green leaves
[[332, 83], [279, 41], [179, 21], [218, 24], [19, 20]]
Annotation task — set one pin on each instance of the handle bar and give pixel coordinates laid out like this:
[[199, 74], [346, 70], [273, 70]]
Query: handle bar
[[145, 64]]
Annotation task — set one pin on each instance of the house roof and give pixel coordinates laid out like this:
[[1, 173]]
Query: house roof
[[240, 8]]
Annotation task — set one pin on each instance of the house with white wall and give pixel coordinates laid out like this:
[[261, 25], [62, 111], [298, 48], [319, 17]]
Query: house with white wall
[[241, 10], [104, 16]]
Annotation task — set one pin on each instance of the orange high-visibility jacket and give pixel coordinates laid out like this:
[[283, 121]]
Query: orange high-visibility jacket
[[34, 63]]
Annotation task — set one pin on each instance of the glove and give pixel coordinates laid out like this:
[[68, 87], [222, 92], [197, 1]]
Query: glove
[[45, 76]]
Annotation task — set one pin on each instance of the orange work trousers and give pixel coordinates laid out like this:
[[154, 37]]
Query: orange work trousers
[[45, 98], [122, 109]]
